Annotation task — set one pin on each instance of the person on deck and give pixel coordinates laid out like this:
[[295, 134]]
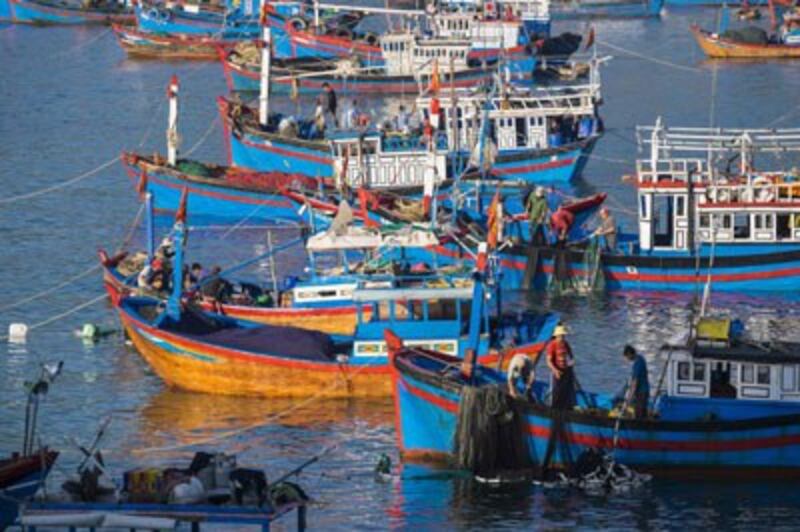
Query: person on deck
[[521, 376], [329, 102], [351, 116], [561, 222], [318, 124], [561, 362], [403, 119], [607, 229], [637, 391], [537, 215]]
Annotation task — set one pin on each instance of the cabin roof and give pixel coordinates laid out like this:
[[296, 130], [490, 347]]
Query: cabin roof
[[754, 352], [414, 294]]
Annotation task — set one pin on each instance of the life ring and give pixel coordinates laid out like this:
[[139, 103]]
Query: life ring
[[762, 190], [370, 38], [297, 23]]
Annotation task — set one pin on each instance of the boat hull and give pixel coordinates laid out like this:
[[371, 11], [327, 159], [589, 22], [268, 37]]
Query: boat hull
[[427, 411], [33, 12], [718, 48], [19, 480], [154, 46], [553, 166], [768, 271]]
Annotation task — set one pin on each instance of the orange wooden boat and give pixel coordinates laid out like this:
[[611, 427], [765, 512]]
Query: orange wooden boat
[[718, 48]]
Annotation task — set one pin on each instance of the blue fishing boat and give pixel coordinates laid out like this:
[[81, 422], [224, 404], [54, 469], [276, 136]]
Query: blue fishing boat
[[696, 220], [46, 12], [191, 19], [729, 409]]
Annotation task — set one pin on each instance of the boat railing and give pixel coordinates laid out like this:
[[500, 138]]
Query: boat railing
[[704, 139], [672, 170], [760, 189]]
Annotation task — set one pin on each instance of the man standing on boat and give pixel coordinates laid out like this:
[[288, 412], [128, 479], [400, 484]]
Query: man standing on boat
[[607, 229], [637, 392], [329, 101], [561, 362], [537, 215]]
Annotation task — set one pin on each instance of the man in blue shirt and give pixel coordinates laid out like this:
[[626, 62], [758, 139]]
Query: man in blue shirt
[[637, 392]]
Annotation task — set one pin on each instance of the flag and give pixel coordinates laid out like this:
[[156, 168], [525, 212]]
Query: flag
[[493, 224], [141, 188], [262, 16], [590, 39], [180, 214], [435, 84]]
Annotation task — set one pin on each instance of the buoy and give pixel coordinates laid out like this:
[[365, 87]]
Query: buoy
[[89, 331], [17, 333]]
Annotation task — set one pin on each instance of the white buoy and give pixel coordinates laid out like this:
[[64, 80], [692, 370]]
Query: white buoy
[[172, 127], [17, 333], [266, 65]]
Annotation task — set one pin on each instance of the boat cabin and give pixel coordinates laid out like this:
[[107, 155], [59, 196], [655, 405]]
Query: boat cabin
[[688, 202], [501, 24], [380, 160], [540, 118], [719, 364], [408, 54]]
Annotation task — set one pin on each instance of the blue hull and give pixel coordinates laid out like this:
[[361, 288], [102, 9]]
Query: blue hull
[[766, 271], [427, 409], [26, 12]]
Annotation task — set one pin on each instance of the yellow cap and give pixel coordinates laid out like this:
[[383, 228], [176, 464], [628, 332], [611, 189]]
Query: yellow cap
[[560, 330]]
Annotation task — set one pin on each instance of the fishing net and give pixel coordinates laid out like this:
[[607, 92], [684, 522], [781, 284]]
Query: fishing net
[[595, 281], [194, 168], [749, 35], [490, 434]]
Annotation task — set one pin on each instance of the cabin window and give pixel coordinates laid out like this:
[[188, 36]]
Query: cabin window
[[683, 371], [726, 221], [680, 207], [721, 380], [762, 375], [788, 382], [741, 225], [699, 373], [705, 221], [748, 374]]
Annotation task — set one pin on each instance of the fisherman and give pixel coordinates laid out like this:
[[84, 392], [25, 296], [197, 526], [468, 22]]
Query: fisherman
[[214, 286], [561, 362], [403, 119], [607, 229], [521, 376], [318, 124], [637, 391], [329, 101], [561, 222], [537, 215], [196, 273]]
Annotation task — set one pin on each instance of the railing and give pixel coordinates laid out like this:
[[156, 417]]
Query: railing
[[758, 190], [678, 170], [718, 139]]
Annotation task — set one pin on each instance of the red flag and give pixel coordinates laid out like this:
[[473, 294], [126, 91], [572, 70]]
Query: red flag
[[494, 221], [590, 38], [180, 215], [141, 188], [262, 16]]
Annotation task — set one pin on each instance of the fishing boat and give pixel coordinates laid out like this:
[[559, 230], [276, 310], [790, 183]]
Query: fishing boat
[[726, 406], [697, 219], [47, 12], [718, 47], [149, 45], [213, 353], [537, 135], [22, 474], [491, 24], [409, 62]]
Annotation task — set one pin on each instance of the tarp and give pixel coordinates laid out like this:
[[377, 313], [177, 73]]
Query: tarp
[[749, 35], [273, 340]]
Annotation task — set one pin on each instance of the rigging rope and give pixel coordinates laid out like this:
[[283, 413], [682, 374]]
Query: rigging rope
[[655, 60], [48, 291]]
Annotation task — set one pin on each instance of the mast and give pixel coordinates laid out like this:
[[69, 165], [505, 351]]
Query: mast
[[266, 65], [172, 125]]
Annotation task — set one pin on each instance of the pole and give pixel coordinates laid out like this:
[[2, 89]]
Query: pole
[[172, 126], [266, 65], [272, 265], [173, 303], [150, 227]]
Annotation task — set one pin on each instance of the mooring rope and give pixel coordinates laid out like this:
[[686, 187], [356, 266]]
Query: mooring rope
[[78, 46], [57, 317], [644, 57], [48, 291], [61, 185], [203, 138]]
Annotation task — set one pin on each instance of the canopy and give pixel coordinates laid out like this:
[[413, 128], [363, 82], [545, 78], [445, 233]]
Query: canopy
[[363, 238]]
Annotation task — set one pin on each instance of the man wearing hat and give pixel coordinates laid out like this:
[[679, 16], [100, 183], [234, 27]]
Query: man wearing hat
[[607, 229], [561, 362], [537, 215]]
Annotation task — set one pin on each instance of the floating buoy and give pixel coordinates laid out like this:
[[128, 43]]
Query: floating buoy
[[89, 331], [17, 333]]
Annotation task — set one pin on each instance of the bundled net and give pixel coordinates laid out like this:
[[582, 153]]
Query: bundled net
[[272, 181], [490, 434]]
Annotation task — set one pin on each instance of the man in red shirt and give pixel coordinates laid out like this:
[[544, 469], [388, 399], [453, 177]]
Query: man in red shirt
[[561, 362], [561, 222]]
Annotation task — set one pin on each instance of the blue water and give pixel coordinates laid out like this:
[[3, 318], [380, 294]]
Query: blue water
[[70, 102]]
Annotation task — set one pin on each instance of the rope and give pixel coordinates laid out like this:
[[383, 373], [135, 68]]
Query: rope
[[204, 137], [63, 314], [611, 160], [132, 228], [59, 186], [50, 290], [78, 46], [648, 58], [270, 419]]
